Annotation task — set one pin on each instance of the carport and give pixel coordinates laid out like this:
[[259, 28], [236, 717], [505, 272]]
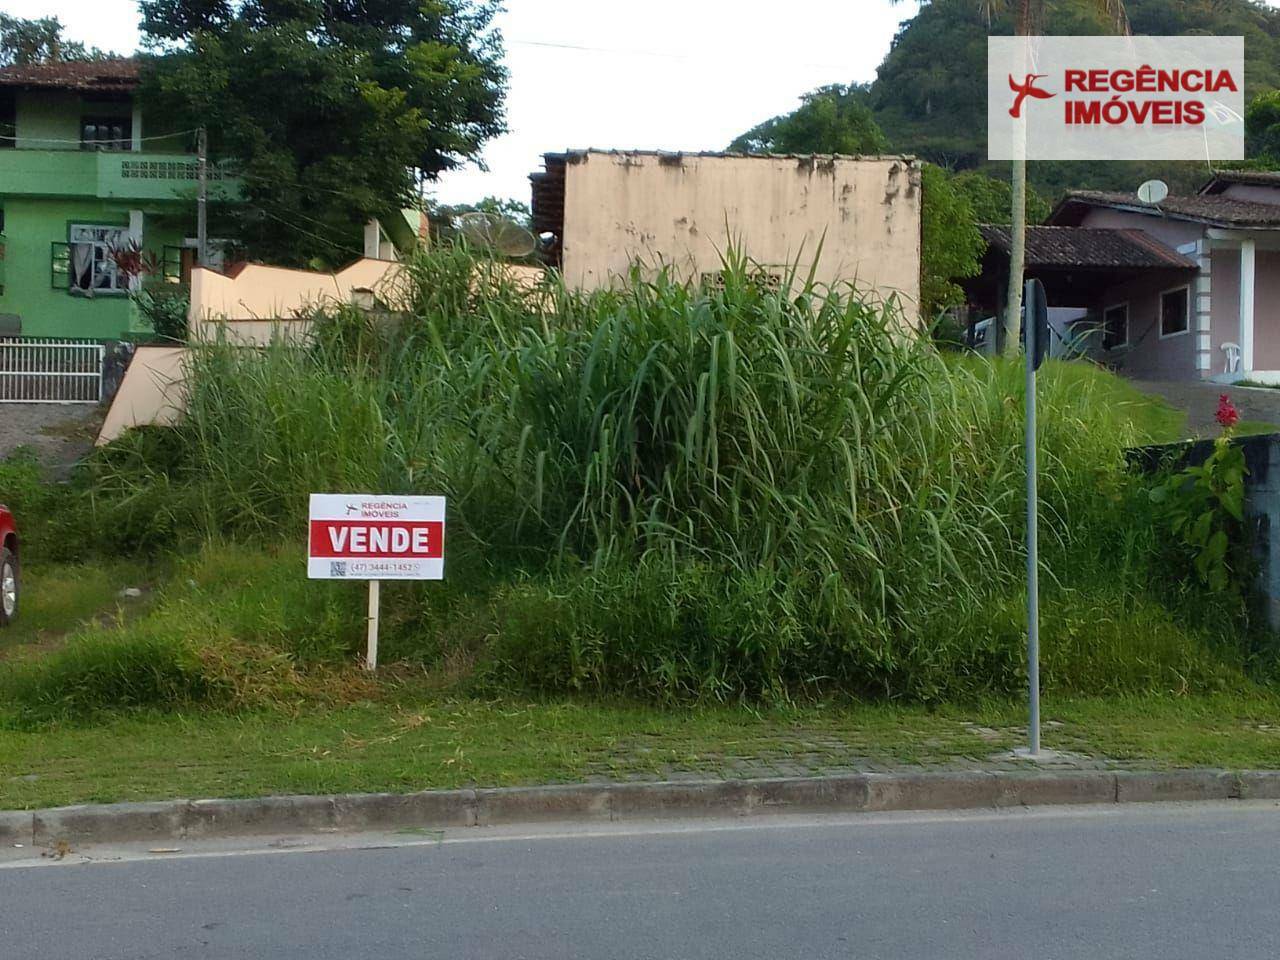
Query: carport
[[1078, 266]]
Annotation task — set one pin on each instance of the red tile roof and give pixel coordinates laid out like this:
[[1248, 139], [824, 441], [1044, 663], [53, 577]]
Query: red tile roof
[[96, 76], [1088, 248]]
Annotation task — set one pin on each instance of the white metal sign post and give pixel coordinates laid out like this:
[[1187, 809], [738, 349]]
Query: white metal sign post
[[1101, 98], [1035, 310], [375, 538]]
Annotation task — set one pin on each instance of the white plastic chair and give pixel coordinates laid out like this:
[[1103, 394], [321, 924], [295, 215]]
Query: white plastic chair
[[1232, 350]]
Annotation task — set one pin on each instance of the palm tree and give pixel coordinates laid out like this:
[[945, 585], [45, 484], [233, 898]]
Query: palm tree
[[1029, 16]]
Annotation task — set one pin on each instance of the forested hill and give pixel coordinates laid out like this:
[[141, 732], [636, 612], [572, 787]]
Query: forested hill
[[929, 97]]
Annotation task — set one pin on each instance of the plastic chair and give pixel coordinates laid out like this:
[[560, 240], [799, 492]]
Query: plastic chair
[[1232, 350]]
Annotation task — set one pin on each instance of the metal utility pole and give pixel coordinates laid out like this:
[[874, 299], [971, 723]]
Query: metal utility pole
[[1035, 311], [202, 197]]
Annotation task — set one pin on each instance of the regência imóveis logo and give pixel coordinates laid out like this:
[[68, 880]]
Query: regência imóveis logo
[[1116, 98]]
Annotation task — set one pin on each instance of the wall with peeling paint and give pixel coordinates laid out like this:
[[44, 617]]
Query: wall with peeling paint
[[684, 209]]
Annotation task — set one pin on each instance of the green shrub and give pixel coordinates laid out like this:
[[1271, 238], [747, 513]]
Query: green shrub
[[107, 670], [163, 307], [54, 519]]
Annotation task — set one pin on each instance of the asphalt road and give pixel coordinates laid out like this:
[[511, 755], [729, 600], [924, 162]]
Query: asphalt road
[[1151, 882]]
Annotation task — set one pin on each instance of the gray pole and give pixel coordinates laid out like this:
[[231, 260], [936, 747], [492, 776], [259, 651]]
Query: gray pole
[[202, 198], [1033, 546]]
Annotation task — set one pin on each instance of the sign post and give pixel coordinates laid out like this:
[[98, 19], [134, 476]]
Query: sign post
[[375, 538], [371, 641], [1035, 323]]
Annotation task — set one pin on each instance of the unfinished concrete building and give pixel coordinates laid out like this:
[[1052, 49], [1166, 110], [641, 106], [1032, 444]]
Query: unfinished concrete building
[[858, 217]]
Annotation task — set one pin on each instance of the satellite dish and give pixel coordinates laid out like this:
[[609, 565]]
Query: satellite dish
[[1153, 192], [497, 234]]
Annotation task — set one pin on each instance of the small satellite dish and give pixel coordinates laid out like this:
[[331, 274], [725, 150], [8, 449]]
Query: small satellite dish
[[496, 234], [1153, 192]]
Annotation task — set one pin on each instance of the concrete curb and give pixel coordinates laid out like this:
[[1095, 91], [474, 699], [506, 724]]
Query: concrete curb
[[441, 809]]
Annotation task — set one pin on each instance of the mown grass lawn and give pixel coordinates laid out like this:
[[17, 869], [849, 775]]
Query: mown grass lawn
[[419, 741], [414, 730]]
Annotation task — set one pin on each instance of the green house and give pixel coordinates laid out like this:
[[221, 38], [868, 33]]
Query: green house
[[84, 178]]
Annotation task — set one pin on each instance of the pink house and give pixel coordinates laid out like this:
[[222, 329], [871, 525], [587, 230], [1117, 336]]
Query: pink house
[[1185, 289]]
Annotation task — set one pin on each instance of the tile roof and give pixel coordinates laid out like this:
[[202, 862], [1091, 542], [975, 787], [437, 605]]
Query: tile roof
[[1216, 211], [1088, 248], [1256, 178], [98, 76]]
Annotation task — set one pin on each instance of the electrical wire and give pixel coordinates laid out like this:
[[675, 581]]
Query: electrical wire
[[319, 223], [159, 136], [326, 240], [661, 54], [271, 183]]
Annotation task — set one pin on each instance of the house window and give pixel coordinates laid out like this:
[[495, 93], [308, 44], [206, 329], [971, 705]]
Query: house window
[[106, 133], [91, 266], [1173, 312], [1115, 327], [8, 120]]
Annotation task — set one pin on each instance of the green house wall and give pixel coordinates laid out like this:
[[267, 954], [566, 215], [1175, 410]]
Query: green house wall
[[32, 226], [47, 183]]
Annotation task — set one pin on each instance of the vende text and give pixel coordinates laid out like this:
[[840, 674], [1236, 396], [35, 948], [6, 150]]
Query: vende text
[[362, 538]]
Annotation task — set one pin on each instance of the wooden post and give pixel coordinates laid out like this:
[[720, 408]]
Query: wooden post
[[371, 651]]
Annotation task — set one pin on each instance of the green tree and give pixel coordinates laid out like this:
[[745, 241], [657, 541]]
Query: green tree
[[332, 111], [833, 119], [1262, 127], [950, 245], [24, 42], [992, 198]]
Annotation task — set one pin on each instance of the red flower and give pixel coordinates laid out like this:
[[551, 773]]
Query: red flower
[[1227, 414]]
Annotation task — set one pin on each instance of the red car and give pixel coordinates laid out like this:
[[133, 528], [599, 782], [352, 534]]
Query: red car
[[8, 566]]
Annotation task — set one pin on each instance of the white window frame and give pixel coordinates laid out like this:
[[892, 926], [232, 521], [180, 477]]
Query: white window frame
[[102, 237], [1186, 316], [1128, 315]]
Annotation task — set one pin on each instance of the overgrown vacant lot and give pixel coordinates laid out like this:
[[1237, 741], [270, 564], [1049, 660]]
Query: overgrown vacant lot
[[690, 531]]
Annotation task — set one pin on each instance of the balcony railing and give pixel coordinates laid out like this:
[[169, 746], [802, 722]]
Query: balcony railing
[[107, 174]]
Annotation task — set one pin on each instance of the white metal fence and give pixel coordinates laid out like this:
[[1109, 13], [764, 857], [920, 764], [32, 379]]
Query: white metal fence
[[50, 371]]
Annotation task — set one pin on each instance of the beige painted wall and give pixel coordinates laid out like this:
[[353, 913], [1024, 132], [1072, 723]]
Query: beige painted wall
[[686, 208], [259, 302], [153, 392]]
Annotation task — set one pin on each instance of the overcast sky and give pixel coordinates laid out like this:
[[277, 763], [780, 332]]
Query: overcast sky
[[668, 74]]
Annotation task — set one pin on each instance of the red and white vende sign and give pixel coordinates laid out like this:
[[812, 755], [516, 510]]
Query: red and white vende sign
[[360, 537]]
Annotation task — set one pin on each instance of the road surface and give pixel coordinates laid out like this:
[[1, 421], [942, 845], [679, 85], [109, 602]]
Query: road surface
[[1143, 881]]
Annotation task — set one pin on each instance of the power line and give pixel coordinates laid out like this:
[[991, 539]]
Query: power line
[[315, 236], [307, 187], [661, 54], [160, 136], [299, 213]]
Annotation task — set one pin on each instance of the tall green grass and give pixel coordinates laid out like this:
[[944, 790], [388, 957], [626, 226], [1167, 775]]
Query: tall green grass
[[674, 490]]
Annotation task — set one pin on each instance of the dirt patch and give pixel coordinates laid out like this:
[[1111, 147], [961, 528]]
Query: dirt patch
[[60, 434]]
